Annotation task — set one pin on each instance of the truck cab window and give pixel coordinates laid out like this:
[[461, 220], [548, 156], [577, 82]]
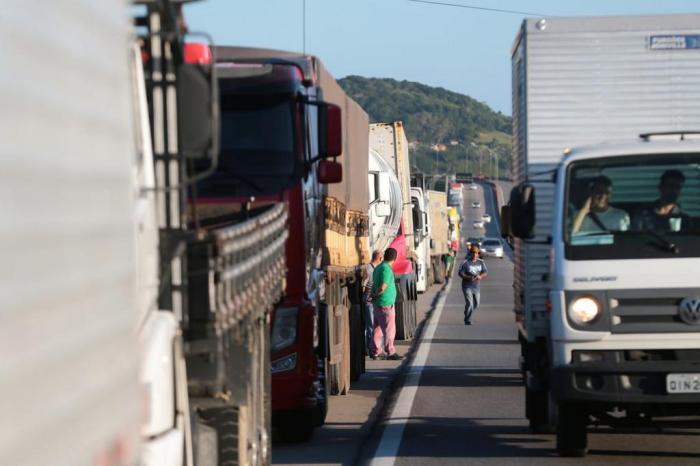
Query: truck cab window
[[633, 207]]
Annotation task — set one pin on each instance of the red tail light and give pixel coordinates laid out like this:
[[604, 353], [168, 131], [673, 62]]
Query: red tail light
[[197, 54]]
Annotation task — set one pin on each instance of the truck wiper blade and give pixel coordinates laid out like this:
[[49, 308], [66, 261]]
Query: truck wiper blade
[[663, 243], [240, 178]]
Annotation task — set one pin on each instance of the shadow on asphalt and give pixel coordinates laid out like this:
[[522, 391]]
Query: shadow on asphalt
[[453, 437], [458, 341], [464, 377], [487, 438]]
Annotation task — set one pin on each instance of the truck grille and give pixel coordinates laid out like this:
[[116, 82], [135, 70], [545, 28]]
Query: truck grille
[[648, 311]]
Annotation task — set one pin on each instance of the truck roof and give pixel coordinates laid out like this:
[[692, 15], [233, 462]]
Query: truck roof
[[305, 63], [639, 147], [611, 23]]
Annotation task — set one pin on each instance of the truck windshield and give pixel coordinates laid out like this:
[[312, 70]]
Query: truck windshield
[[631, 207], [258, 146]]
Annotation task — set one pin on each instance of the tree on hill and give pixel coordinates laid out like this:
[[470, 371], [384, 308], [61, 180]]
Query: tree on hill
[[475, 137]]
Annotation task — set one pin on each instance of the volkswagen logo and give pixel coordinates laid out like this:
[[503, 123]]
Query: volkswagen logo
[[689, 311]]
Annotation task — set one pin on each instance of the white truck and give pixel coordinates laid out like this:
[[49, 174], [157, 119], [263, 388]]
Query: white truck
[[421, 238], [439, 234], [205, 289], [69, 370], [607, 297], [388, 141]]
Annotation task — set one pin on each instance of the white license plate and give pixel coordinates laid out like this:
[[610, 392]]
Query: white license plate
[[683, 383]]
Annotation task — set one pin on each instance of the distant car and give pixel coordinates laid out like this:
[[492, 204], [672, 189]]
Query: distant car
[[478, 224], [474, 240], [476, 204], [492, 247], [473, 187], [486, 218]]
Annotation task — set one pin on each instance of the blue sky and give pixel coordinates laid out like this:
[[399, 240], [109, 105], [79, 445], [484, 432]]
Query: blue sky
[[467, 51]]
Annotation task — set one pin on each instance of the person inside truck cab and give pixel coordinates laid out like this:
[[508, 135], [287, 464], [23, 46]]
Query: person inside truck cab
[[597, 214], [665, 214]]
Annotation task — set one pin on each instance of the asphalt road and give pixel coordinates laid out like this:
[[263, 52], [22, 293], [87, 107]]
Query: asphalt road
[[462, 401]]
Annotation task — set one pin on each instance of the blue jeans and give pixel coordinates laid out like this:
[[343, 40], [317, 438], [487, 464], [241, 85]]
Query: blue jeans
[[369, 324], [471, 298]]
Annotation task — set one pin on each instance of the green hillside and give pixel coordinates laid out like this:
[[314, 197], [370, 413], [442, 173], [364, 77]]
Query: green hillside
[[448, 131]]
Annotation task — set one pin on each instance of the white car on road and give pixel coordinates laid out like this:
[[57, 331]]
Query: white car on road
[[492, 247], [486, 218], [476, 204], [478, 224], [473, 187]]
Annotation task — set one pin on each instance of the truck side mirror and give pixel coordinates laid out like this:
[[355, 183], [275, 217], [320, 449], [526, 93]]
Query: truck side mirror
[[506, 230], [383, 185], [522, 211], [330, 130], [418, 220], [197, 103], [329, 172]]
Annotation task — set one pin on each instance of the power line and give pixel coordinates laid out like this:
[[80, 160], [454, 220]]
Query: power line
[[473, 7]]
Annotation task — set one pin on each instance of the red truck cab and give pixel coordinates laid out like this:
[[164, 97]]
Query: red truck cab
[[276, 137]]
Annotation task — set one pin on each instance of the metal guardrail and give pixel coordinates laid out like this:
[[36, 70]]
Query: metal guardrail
[[250, 266]]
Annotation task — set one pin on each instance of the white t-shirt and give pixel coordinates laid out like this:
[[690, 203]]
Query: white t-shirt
[[612, 219]]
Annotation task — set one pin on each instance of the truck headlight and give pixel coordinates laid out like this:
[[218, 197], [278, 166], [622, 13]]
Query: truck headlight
[[284, 328], [584, 310], [284, 364]]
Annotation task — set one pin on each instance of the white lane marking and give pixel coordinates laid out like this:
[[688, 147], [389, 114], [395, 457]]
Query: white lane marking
[[388, 448]]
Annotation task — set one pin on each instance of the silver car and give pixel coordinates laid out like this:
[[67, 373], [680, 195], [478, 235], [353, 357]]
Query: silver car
[[492, 247]]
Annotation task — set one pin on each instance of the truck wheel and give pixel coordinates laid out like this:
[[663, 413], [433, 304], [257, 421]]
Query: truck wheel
[[225, 421], [537, 412], [346, 363], [357, 343], [321, 409], [401, 309], [204, 441], [295, 426], [572, 438], [333, 376]]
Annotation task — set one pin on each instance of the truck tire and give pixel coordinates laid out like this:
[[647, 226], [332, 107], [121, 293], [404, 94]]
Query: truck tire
[[347, 356], [537, 411], [572, 437], [225, 421], [401, 310], [204, 442], [295, 426], [321, 409], [357, 343], [334, 379], [346, 364]]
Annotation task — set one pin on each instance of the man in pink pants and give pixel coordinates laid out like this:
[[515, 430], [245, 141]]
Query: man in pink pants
[[383, 299]]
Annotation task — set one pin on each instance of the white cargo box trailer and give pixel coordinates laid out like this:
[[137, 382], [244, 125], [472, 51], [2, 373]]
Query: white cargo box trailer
[[69, 391], [578, 81]]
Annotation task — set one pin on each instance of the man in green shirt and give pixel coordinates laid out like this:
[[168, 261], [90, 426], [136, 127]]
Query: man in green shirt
[[383, 299]]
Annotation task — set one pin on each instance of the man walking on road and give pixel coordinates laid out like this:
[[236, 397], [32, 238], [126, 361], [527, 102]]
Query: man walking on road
[[472, 271], [383, 299], [367, 298]]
